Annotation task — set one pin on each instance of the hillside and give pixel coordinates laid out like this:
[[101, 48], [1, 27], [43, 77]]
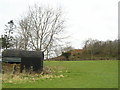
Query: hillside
[[74, 55]]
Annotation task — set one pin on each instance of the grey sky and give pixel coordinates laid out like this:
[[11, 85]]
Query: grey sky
[[97, 19]]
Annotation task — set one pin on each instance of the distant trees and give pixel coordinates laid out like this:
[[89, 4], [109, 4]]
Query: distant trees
[[101, 49], [94, 50]]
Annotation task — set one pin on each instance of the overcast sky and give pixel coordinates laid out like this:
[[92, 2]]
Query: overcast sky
[[96, 19]]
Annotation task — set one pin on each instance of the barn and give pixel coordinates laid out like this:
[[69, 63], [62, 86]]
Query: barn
[[28, 59]]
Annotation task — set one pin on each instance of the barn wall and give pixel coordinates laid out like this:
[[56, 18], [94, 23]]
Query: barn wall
[[28, 63]]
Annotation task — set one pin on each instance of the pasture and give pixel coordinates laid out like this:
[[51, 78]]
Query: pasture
[[68, 74]]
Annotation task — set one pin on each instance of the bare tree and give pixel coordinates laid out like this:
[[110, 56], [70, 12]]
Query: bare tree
[[23, 30], [89, 46], [59, 49], [41, 27], [67, 47]]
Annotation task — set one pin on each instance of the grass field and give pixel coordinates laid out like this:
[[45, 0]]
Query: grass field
[[74, 74]]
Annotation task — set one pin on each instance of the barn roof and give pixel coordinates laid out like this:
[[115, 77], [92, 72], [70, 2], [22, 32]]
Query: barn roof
[[21, 53]]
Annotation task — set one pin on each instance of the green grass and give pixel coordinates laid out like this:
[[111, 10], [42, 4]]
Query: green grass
[[77, 74]]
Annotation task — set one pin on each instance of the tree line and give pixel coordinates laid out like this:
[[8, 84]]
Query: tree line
[[96, 50]]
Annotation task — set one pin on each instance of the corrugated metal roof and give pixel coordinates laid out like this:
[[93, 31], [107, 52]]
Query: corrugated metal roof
[[21, 53]]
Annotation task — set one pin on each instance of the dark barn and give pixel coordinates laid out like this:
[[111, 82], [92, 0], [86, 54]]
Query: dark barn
[[29, 60]]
